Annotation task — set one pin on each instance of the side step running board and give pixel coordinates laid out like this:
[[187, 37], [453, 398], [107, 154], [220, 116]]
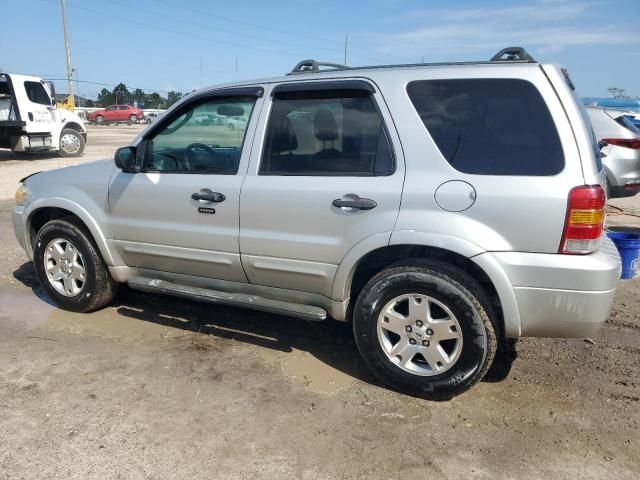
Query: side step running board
[[306, 312]]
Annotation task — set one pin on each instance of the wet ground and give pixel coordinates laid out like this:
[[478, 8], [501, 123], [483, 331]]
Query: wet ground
[[154, 387]]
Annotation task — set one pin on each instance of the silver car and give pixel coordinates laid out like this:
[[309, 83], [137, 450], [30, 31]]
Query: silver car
[[410, 200], [620, 141]]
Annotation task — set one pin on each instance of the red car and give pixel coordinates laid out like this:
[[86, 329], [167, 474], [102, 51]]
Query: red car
[[116, 113]]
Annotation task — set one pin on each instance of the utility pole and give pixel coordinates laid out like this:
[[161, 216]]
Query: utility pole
[[68, 52], [200, 73], [346, 42], [75, 70], [236, 64]]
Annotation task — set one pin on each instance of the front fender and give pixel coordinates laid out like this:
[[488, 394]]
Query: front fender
[[110, 255]]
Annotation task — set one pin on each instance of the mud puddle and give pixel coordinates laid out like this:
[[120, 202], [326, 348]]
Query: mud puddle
[[32, 310]]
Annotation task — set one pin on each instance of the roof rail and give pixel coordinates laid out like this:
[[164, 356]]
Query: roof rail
[[512, 54], [313, 66]]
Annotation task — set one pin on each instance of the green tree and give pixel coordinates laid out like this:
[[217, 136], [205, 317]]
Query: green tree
[[173, 97], [138, 96], [105, 98], [121, 94], [153, 100]]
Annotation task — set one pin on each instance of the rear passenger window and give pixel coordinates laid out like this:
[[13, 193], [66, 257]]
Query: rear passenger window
[[326, 133], [489, 126]]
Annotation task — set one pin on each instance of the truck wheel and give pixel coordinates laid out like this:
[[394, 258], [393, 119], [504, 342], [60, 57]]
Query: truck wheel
[[71, 143], [70, 268], [99, 120], [425, 328], [133, 119]]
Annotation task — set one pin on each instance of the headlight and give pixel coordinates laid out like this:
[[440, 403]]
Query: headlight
[[22, 194]]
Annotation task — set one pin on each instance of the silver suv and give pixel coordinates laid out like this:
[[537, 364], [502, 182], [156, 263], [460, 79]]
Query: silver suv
[[440, 208]]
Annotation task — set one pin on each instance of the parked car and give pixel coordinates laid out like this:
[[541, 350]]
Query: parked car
[[620, 140], [438, 208], [151, 117], [116, 113], [634, 118]]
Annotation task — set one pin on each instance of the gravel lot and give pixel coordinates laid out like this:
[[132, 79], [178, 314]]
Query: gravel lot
[[155, 387]]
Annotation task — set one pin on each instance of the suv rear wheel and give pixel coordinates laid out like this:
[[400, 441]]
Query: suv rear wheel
[[425, 328], [70, 268], [99, 120]]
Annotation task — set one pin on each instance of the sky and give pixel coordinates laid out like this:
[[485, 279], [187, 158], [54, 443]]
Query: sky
[[162, 45]]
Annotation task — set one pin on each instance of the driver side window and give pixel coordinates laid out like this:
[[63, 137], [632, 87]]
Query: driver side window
[[205, 138]]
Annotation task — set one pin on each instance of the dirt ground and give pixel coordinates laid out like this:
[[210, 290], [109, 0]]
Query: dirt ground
[[155, 387]]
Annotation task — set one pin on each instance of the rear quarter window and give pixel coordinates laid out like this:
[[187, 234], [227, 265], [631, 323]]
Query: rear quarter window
[[489, 126]]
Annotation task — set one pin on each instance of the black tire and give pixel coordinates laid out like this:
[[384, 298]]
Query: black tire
[[459, 292], [79, 139], [98, 288], [133, 118], [99, 120]]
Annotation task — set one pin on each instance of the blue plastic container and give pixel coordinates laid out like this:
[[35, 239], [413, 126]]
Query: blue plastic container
[[628, 244]]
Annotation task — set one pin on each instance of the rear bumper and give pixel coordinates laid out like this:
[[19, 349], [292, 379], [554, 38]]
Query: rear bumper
[[549, 312], [550, 295]]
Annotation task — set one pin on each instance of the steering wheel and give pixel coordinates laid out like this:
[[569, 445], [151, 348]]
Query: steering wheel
[[195, 149]]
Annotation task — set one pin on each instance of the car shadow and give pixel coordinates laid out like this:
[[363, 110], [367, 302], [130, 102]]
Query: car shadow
[[330, 341], [7, 155]]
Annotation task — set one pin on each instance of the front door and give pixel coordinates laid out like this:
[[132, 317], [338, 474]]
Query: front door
[[37, 111], [179, 214], [325, 179]]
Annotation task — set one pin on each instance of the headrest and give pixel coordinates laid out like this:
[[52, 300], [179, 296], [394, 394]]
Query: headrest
[[325, 127], [284, 137]]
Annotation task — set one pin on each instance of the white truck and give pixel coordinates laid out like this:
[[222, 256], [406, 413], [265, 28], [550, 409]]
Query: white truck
[[30, 120]]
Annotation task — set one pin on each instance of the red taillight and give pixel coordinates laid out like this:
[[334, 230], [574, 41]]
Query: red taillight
[[584, 221], [624, 142]]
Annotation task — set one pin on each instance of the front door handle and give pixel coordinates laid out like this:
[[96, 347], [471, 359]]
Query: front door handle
[[206, 195], [354, 202]]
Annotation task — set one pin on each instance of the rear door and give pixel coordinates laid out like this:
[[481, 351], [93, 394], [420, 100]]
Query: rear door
[[122, 113], [327, 176]]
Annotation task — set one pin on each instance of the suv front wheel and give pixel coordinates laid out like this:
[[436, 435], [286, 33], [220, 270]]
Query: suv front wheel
[[425, 328], [69, 266]]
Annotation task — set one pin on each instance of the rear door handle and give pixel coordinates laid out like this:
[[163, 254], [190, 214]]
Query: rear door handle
[[207, 195], [353, 201]]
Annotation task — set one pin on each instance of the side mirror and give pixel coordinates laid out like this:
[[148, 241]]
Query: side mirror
[[125, 159]]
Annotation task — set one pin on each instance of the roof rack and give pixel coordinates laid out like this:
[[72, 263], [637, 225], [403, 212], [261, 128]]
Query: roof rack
[[313, 66], [506, 55], [512, 54]]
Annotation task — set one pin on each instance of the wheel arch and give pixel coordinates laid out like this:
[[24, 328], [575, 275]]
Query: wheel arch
[[73, 126], [350, 281], [41, 213]]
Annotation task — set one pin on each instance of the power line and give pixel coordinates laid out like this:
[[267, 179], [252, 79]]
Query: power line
[[100, 84], [178, 32], [271, 29], [217, 29]]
